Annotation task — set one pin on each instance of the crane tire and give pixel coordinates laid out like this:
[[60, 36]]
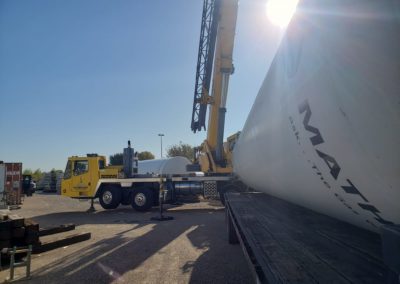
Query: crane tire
[[110, 197], [142, 199]]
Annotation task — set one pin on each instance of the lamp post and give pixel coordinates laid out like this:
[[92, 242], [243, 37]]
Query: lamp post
[[161, 136]]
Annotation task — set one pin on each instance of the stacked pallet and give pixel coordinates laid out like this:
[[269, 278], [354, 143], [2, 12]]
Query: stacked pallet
[[18, 231]]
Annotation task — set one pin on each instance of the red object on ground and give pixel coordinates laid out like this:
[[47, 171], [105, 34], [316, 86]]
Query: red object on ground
[[13, 183]]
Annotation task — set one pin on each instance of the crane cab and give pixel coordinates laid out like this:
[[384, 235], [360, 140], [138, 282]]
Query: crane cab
[[82, 174]]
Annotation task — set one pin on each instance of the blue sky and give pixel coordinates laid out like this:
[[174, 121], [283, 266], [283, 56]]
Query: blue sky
[[79, 77]]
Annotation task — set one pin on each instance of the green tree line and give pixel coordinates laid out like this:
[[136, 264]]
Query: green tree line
[[38, 174], [181, 149], [117, 159]]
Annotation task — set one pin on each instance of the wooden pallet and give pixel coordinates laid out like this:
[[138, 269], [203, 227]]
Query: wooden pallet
[[16, 231]]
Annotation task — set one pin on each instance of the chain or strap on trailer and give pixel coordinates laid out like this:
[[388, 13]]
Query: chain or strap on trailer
[[286, 243]]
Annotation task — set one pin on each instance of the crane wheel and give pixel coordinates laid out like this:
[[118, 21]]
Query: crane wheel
[[110, 197], [143, 199]]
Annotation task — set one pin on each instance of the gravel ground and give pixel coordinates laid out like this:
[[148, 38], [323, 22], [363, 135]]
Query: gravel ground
[[126, 247]]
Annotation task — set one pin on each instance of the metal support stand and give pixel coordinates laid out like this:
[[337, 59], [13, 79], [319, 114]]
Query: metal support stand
[[26, 263], [161, 217], [91, 209]]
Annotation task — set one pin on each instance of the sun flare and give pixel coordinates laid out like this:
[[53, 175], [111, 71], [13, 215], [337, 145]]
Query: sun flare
[[280, 12]]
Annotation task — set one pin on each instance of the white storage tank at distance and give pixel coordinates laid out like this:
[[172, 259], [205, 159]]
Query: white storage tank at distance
[[168, 166]]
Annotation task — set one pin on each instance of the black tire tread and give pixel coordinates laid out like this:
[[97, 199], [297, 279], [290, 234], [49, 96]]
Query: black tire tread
[[149, 199], [116, 197]]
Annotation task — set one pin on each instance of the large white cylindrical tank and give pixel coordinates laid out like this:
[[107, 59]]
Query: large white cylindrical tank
[[168, 166], [324, 131]]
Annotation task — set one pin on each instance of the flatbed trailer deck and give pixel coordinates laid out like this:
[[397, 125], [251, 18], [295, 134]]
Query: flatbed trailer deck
[[286, 243]]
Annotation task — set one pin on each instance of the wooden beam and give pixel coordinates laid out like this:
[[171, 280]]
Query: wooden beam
[[65, 241], [56, 230]]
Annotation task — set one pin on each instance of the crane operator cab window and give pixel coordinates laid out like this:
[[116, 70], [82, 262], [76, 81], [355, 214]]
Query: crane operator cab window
[[101, 164], [81, 167], [68, 171]]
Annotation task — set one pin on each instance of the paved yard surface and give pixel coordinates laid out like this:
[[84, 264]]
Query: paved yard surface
[[126, 247]]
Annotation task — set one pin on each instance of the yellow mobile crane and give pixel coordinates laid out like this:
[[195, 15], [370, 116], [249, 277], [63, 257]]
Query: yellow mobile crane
[[89, 177], [214, 63]]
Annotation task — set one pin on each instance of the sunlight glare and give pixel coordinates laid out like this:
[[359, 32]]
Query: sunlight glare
[[280, 12]]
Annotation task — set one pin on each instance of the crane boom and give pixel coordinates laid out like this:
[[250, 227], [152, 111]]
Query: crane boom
[[214, 59], [205, 58]]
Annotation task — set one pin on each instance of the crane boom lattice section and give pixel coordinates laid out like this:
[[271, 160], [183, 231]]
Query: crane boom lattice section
[[208, 34]]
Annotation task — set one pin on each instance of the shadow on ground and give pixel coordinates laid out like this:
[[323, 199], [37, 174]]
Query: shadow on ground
[[111, 258], [117, 216]]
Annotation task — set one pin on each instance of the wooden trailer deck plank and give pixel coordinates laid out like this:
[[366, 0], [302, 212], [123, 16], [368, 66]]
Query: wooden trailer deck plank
[[293, 244]]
